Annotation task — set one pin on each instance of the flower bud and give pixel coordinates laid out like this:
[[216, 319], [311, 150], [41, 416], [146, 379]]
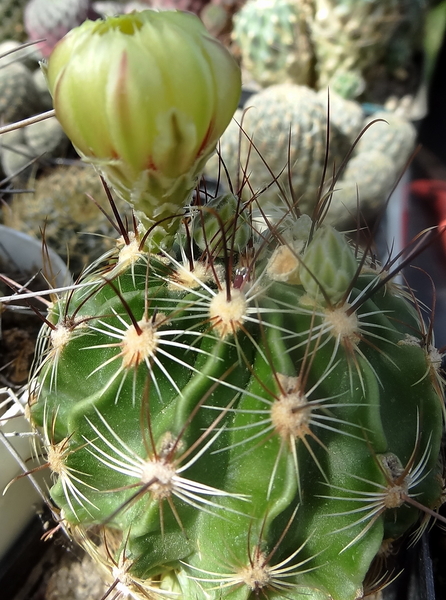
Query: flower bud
[[329, 265], [145, 98]]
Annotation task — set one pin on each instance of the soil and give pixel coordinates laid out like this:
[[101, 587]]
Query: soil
[[19, 327]]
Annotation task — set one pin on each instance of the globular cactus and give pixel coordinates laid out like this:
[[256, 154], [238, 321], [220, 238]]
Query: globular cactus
[[281, 136], [357, 48], [22, 149], [251, 411], [50, 20], [18, 95], [352, 35], [12, 51], [273, 39], [61, 203], [287, 125]]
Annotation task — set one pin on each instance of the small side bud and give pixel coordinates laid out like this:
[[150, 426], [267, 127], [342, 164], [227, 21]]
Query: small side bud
[[329, 266]]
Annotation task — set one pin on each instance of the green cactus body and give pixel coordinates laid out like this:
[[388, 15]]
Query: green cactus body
[[246, 406], [232, 431], [273, 40]]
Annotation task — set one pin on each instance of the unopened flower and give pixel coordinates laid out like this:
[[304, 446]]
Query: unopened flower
[[145, 98]]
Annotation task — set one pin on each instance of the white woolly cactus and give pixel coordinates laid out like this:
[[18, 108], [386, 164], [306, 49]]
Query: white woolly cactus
[[251, 410]]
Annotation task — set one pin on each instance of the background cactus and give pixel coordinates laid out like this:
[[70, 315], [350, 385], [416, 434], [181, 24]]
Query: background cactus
[[18, 95], [352, 35], [288, 126], [50, 20], [23, 149], [22, 95], [58, 203], [359, 48], [11, 20], [273, 38], [254, 409]]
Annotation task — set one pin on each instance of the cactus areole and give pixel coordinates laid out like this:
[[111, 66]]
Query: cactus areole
[[255, 412]]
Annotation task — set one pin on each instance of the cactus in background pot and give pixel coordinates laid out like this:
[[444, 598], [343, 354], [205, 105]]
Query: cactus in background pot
[[358, 48], [350, 36], [19, 97], [49, 20], [287, 124], [61, 199], [274, 42], [248, 407]]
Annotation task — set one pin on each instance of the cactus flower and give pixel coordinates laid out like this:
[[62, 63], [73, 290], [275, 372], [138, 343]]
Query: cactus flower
[[145, 98]]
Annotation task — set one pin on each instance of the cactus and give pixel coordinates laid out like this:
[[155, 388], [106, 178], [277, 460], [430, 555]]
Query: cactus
[[252, 411], [50, 20], [352, 35], [22, 148], [18, 95], [357, 48], [273, 40], [258, 422], [288, 126], [73, 225]]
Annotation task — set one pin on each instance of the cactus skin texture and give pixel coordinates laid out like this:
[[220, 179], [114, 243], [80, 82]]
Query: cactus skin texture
[[252, 419], [273, 39], [60, 201], [352, 35]]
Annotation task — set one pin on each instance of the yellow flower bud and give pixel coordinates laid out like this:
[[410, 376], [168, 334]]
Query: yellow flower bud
[[145, 98]]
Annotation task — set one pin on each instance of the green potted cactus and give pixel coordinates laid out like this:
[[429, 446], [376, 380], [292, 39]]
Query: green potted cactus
[[233, 402]]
